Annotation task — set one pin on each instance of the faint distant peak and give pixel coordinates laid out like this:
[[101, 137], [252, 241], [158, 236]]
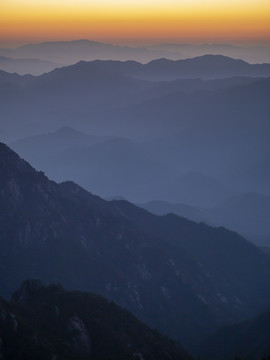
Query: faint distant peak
[[116, 198], [161, 61], [67, 130], [57, 43]]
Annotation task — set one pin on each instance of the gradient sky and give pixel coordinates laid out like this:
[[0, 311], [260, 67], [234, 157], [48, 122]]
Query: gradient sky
[[128, 20]]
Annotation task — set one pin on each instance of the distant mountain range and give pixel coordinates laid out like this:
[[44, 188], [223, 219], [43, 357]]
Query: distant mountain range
[[137, 170], [48, 322], [204, 67], [152, 136], [119, 97], [92, 160], [26, 66], [187, 211], [251, 54], [183, 278], [70, 52], [217, 127], [246, 213], [60, 140]]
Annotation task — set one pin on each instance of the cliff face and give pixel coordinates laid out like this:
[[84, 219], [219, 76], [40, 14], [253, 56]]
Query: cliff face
[[182, 278]]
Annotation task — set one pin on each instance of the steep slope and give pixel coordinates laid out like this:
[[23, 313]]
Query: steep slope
[[48, 322], [182, 278], [214, 248]]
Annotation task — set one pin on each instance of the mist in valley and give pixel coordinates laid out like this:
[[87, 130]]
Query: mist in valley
[[150, 167]]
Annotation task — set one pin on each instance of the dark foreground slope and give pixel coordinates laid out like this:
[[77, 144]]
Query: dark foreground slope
[[249, 340], [48, 322], [182, 278]]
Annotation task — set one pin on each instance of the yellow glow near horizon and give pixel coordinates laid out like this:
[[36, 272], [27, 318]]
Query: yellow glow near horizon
[[54, 19]]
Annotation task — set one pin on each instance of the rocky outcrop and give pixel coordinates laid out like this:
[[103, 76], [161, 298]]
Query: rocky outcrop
[[50, 323]]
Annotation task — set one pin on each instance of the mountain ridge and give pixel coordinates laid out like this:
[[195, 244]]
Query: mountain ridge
[[170, 272], [48, 322]]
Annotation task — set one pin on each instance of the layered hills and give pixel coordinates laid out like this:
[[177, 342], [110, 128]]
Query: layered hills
[[69, 52], [183, 278]]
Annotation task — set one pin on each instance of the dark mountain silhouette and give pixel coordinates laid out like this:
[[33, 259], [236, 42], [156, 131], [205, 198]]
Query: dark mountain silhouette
[[249, 340], [14, 79], [48, 322], [183, 278]]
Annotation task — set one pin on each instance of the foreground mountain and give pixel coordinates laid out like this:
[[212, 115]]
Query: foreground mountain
[[48, 322], [249, 340], [183, 278]]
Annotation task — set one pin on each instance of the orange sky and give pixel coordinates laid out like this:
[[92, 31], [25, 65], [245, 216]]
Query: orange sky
[[122, 20]]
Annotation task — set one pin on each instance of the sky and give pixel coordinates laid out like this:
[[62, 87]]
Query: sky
[[131, 21]]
